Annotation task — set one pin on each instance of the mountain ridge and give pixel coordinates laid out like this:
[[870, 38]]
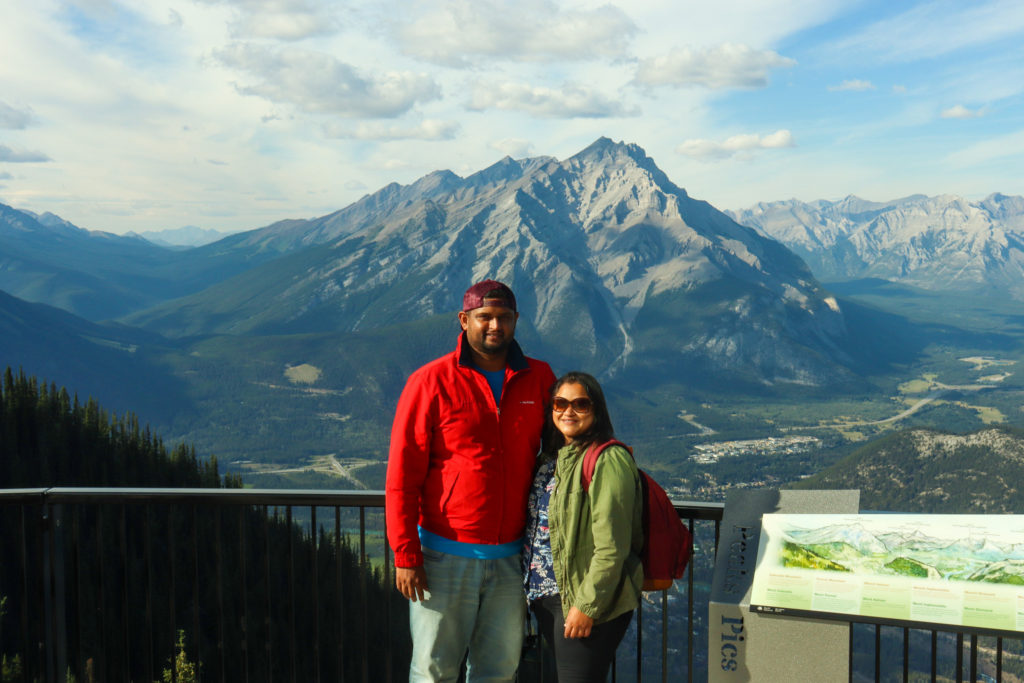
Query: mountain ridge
[[940, 243], [589, 244]]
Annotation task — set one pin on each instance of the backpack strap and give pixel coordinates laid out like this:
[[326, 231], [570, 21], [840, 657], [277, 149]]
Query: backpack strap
[[590, 459]]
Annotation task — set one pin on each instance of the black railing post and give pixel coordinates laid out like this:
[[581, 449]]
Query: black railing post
[[640, 641], [934, 662], [959, 658], [26, 639], [196, 587], [103, 668], [268, 614], [218, 575], [690, 607], [147, 544], [364, 607], [125, 596], [315, 543], [76, 568], [293, 642], [664, 635], [52, 547], [338, 579], [244, 575], [849, 660], [388, 593], [906, 655], [172, 604], [878, 652], [999, 659], [974, 658], [46, 646]]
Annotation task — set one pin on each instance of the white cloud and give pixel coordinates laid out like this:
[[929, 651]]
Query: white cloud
[[568, 101], [513, 147], [961, 112], [280, 19], [723, 66], [355, 185], [14, 119], [763, 23], [853, 86], [462, 31], [319, 83], [395, 165], [426, 130], [709, 149], [995, 148], [21, 157], [932, 29]]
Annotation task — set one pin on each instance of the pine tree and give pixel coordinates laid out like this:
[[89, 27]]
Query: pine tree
[[50, 438]]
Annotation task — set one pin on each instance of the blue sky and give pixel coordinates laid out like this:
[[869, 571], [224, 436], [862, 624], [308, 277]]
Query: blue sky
[[232, 114]]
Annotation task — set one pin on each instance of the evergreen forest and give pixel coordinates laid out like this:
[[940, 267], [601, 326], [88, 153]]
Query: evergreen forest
[[161, 589]]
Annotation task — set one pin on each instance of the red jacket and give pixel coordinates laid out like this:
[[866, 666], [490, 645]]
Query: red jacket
[[458, 466]]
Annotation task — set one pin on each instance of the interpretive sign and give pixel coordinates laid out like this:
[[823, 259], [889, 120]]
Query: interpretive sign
[[747, 647], [957, 570]]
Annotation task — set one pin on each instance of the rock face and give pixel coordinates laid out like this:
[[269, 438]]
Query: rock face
[[615, 268], [942, 243]]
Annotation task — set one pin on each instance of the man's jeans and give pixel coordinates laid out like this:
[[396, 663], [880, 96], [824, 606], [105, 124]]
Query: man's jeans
[[474, 604]]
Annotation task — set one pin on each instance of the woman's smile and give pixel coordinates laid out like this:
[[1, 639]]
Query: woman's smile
[[572, 423]]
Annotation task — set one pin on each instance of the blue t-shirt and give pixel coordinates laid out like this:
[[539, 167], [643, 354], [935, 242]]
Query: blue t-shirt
[[496, 378]]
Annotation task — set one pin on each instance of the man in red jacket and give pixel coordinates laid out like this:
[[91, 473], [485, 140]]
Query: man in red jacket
[[466, 433]]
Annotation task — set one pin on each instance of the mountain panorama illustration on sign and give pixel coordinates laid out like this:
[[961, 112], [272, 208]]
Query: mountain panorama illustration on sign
[[951, 548], [959, 570]]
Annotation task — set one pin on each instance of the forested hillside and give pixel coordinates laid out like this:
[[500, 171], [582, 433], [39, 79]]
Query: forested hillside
[[924, 470], [240, 584], [49, 438]]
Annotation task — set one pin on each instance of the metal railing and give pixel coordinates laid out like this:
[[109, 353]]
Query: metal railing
[[103, 583], [263, 585]]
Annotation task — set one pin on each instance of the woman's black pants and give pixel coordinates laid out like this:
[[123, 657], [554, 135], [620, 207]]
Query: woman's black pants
[[579, 660]]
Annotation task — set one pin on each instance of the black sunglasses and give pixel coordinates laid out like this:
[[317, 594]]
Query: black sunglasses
[[581, 405]]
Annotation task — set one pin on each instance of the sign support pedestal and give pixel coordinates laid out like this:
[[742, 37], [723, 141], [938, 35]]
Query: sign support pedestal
[[745, 646]]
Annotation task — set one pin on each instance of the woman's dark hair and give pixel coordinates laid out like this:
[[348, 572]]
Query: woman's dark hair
[[598, 433]]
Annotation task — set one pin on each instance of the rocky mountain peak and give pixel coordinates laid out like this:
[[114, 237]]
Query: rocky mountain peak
[[602, 249], [942, 243], [612, 156]]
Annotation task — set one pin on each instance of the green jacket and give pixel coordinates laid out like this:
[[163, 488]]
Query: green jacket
[[596, 538]]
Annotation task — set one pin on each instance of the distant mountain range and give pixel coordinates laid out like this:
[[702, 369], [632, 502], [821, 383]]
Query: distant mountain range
[[618, 271], [182, 238], [616, 268], [99, 275], [942, 243]]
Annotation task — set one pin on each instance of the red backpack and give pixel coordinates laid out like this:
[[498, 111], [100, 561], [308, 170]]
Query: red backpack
[[667, 541]]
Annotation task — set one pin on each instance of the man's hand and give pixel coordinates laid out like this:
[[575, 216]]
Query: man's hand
[[411, 582], [577, 624]]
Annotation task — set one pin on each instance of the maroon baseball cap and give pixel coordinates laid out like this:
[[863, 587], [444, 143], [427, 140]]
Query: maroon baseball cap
[[488, 293]]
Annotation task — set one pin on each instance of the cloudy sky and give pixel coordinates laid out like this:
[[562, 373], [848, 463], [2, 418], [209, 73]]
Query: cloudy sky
[[232, 114]]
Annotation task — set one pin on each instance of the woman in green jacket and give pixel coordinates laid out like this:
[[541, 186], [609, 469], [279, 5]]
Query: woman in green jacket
[[581, 556]]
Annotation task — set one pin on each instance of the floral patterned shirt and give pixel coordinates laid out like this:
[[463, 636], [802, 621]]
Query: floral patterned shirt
[[538, 565]]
